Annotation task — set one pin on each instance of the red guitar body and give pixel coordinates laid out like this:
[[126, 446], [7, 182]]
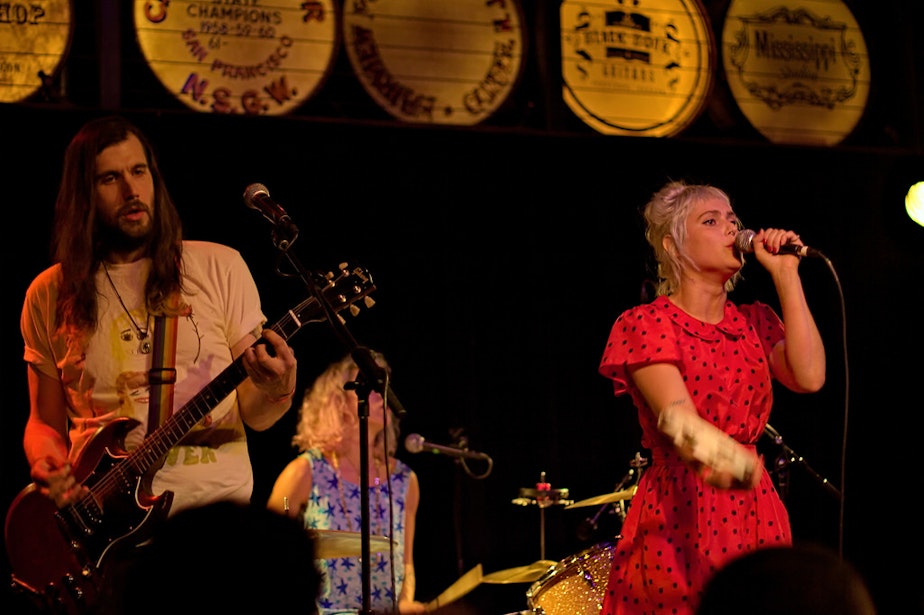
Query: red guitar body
[[58, 555]]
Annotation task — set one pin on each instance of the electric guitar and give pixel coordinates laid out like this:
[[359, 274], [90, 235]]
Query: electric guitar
[[57, 555]]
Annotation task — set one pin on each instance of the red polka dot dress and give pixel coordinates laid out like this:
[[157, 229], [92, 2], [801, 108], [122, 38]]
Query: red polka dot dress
[[678, 530]]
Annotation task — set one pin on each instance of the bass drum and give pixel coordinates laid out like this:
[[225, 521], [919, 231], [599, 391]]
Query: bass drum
[[574, 586]]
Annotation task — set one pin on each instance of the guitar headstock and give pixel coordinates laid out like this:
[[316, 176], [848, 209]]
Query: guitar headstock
[[341, 289], [347, 286]]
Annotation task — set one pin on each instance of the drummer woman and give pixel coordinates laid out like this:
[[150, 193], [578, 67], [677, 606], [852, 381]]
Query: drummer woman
[[322, 486]]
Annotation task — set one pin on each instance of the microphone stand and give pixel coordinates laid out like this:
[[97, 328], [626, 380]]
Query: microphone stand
[[363, 389], [371, 377], [788, 457], [459, 440]]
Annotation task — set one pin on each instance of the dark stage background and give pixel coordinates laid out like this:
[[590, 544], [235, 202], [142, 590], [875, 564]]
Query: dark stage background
[[501, 256]]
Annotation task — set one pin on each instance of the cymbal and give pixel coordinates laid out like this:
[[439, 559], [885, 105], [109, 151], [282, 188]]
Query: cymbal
[[616, 496], [519, 574], [337, 543], [466, 583]]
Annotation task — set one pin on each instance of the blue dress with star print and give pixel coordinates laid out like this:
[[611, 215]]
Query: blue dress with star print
[[342, 589]]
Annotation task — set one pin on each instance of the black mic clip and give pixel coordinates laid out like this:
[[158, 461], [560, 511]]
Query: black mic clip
[[284, 235]]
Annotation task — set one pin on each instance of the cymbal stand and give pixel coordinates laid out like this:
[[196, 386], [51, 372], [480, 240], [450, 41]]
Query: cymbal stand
[[786, 458], [589, 525], [543, 501], [543, 496]]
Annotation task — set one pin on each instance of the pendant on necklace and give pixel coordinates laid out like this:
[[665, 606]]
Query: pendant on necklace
[[144, 340], [143, 336], [144, 344]]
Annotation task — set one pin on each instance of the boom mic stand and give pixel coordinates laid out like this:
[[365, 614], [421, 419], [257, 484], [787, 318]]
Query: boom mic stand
[[788, 457], [371, 375]]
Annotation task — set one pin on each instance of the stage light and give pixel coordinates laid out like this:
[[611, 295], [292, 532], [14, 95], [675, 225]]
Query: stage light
[[914, 202]]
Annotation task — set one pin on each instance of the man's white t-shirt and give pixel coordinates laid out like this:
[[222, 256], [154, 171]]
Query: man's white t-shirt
[[108, 377]]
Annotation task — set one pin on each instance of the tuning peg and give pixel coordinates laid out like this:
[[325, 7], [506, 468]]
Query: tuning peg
[[354, 310], [369, 301]]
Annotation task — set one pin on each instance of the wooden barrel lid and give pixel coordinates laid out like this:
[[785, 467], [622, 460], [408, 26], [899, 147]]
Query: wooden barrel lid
[[799, 71], [239, 57], [34, 39], [436, 61], [636, 69]]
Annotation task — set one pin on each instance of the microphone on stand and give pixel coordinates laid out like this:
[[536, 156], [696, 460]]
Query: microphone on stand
[[257, 197], [744, 242], [416, 443]]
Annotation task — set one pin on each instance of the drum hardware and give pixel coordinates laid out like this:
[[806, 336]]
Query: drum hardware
[[620, 497], [542, 496]]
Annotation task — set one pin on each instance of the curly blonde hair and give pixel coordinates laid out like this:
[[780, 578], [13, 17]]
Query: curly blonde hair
[[327, 403], [666, 214]]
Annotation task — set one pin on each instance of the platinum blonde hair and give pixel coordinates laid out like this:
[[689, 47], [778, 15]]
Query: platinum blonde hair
[[323, 415], [666, 215]]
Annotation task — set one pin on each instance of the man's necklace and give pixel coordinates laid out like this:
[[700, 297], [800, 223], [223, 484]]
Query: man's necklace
[[144, 346]]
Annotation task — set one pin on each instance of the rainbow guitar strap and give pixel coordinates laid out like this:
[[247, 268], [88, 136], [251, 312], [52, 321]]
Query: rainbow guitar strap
[[162, 375]]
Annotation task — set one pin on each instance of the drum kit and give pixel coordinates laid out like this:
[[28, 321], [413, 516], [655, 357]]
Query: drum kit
[[575, 585], [572, 586]]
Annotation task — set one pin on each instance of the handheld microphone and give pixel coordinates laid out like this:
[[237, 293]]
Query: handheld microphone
[[257, 197], [416, 443], [744, 242]]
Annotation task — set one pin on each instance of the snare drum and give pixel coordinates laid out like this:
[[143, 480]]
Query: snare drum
[[574, 586]]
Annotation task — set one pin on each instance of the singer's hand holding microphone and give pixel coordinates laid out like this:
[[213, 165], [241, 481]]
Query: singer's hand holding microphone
[[744, 242]]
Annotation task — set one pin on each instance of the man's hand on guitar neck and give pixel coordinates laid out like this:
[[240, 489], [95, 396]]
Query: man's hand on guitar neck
[[56, 480]]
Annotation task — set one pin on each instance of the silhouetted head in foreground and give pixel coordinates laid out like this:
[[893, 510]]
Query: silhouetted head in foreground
[[796, 580], [221, 557]]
